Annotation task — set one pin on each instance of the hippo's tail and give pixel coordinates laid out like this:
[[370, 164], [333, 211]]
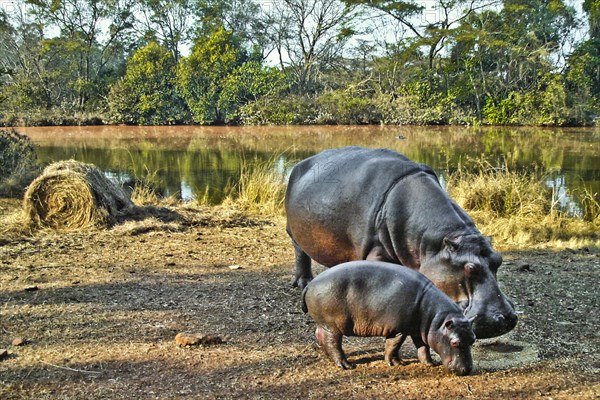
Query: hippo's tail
[[304, 308]]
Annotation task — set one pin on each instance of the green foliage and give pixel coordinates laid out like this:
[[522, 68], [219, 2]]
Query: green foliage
[[202, 75], [219, 77], [247, 83], [280, 110], [583, 79], [406, 110], [544, 106], [347, 107], [491, 65], [147, 94], [592, 8], [18, 162]]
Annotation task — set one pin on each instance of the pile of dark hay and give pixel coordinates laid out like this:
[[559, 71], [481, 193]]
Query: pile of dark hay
[[18, 163], [71, 195]]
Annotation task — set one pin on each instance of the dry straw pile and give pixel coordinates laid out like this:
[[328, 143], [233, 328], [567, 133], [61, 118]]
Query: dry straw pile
[[71, 195]]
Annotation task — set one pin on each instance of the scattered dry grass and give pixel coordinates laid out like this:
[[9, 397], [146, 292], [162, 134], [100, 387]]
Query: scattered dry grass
[[144, 192], [590, 205], [108, 304]]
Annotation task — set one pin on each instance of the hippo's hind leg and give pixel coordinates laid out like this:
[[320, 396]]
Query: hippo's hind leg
[[392, 349], [303, 273], [423, 352], [331, 343]]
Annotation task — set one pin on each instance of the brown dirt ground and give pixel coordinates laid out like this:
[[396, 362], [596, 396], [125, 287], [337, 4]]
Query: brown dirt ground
[[100, 311]]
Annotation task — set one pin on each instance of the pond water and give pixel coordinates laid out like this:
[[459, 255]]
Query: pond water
[[188, 162]]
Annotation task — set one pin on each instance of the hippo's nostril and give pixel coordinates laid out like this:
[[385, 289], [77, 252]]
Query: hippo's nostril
[[508, 320], [461, 371]]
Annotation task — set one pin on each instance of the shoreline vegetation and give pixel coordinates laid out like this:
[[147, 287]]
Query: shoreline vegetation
[[265, 63], [516, 209]]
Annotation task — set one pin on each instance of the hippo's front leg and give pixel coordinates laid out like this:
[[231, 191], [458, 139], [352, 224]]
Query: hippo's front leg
[[332, 345], [392, 350], [423, 352], [303, 271]]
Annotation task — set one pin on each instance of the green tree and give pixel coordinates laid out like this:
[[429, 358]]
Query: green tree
[[26, 72], [508, 60], [310, 37], [201, 76], [146, 95], [428, 24], [583, 70], [167, 22], [592, 9], [244, 18], [90, 40], [247, 83]]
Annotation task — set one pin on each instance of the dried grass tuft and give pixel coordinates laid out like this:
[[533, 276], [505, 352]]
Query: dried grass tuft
[[70, 195], [260, 190], [518, 209], [148, 225]]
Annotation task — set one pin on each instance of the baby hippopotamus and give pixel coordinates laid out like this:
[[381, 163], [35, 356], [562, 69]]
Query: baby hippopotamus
[[372, 298]]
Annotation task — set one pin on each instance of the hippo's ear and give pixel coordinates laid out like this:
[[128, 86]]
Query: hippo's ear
[[450, 244]]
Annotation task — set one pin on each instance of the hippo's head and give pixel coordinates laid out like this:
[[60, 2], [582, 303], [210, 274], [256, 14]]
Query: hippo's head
[[453, 341], [465, 269]]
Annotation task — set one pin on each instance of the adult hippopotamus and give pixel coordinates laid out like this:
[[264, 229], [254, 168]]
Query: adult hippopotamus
[[374, 298], [354, 203]]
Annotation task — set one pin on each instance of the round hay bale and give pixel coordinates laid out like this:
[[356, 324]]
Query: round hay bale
[[71, 195]]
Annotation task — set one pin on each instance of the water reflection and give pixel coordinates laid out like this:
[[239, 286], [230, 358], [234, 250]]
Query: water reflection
[[191, 162]]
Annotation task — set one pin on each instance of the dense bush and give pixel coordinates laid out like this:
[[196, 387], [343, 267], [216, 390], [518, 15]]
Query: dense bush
[[147, 94], [406, 110], [284, 110], [546, 106], [18, 162], [510, 63], [342, 107], [347, 108], [249, 82]]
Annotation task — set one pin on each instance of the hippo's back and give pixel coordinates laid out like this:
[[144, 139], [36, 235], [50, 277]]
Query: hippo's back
[[333, 198], [331, 169]]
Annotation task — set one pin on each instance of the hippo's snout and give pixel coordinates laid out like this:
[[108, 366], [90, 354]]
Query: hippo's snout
[[509, 320], [463, 370], [488, 326], [461, 366]]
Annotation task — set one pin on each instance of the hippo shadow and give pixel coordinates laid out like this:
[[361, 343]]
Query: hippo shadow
[[500, 347], [367, 356], [360, 357]]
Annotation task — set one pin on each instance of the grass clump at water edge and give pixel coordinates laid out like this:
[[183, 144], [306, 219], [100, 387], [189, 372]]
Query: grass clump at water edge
[[260, 189], [517, 208]]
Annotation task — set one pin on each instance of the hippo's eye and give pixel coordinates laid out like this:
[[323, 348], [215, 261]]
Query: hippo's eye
[[472, 269]]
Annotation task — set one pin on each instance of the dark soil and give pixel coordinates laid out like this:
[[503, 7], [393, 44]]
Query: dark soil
[[99, 311]]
